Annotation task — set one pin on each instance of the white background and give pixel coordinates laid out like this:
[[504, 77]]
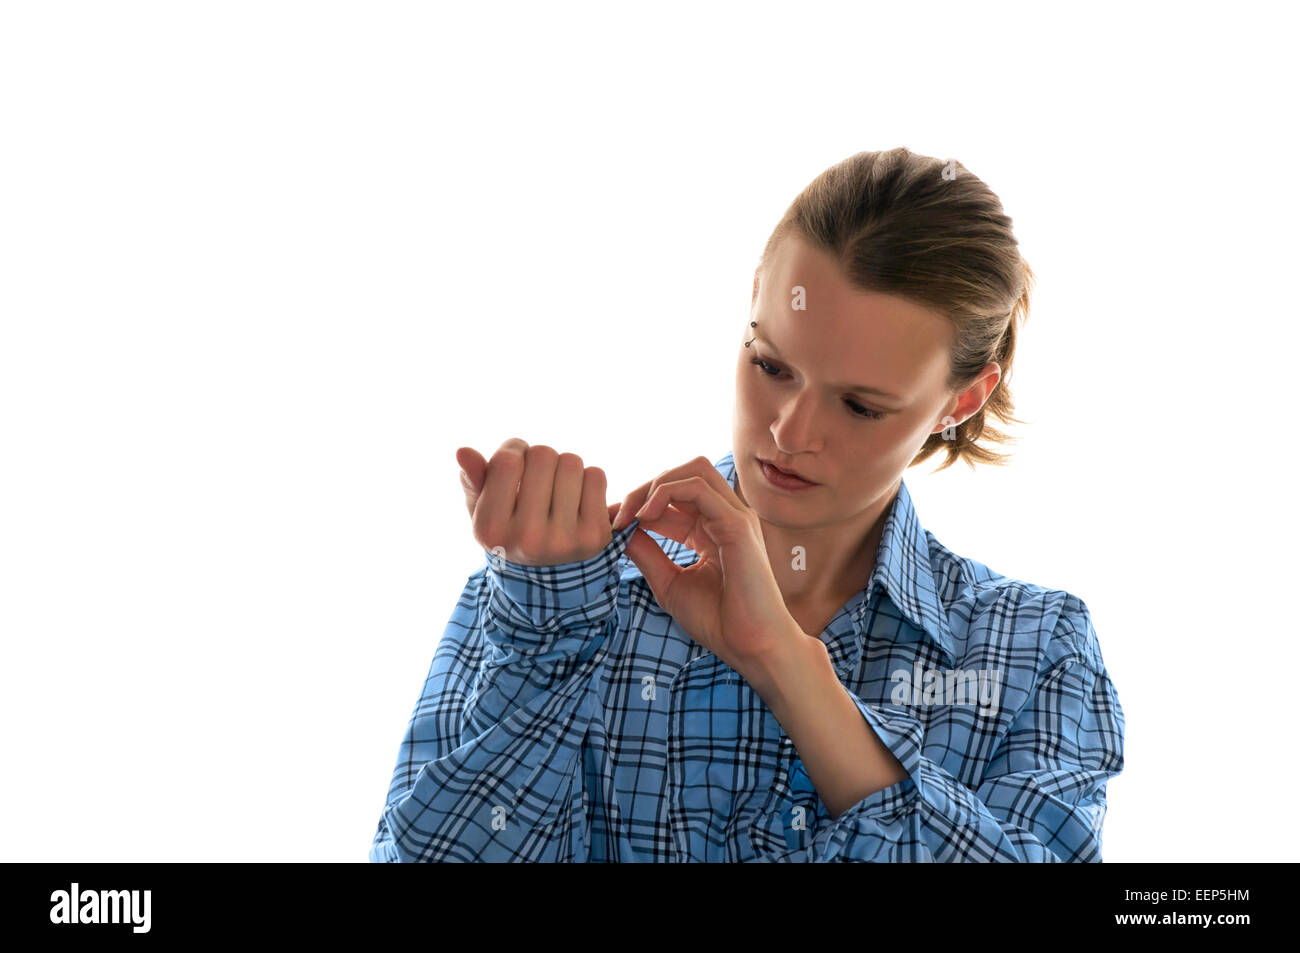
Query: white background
[[265, 265]]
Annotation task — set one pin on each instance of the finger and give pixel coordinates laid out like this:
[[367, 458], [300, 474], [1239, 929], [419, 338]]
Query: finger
[[695, 491], [566, 494], [637, 498], [496, 500], [473, 468], [659, 571], [533, 507], [701, 466], [676, 521], [631, 503], [593, 509]]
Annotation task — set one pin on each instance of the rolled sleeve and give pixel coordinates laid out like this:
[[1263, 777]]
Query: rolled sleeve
[[1042, 798]]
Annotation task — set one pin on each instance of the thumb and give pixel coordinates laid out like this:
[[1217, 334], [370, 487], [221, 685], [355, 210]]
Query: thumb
[[473, 471], [659, 571]]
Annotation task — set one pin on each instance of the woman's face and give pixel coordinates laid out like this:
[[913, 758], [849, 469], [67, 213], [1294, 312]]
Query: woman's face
[[801, 408]]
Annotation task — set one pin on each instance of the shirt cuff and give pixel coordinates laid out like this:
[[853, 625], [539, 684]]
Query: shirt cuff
[[547, 599], [902, 734]]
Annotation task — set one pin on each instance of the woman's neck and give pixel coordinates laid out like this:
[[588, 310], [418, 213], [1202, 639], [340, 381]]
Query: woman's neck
[[826, 566]]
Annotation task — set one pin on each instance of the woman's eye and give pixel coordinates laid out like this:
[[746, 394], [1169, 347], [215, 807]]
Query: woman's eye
[[854, 407], [864, 411]]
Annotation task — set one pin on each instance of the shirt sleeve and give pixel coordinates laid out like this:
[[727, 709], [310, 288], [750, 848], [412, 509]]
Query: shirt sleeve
[[490, 766], [1042, 797]]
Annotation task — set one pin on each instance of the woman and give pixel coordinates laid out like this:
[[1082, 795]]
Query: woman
[[824, 680]]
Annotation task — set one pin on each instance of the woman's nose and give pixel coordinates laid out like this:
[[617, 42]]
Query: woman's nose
[[794, 430]]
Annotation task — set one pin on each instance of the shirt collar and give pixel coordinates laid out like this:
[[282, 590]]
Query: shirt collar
[[902, 569]]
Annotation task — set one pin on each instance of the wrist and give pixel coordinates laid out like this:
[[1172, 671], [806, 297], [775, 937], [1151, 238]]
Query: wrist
[[793, 673]]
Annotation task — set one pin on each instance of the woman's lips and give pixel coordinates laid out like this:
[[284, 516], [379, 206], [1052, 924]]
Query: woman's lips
[[781, 479]]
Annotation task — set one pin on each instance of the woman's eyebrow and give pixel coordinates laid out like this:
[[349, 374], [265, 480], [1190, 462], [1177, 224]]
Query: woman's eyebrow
[[859, 388]]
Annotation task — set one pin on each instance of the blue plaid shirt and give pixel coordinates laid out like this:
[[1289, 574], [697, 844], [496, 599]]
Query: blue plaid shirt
[[567, 717]]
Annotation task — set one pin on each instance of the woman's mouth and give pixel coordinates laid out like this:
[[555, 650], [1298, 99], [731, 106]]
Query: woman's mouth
[[782, 480]]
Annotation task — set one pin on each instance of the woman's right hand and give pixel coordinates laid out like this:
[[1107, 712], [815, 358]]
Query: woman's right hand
[[534, 506]]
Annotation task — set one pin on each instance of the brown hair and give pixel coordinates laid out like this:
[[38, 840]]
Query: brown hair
[[927, 230]]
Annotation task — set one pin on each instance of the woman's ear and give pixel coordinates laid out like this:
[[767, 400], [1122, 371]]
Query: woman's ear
[[974, 397]]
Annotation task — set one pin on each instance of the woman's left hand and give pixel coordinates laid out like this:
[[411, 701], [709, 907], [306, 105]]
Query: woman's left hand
[[728, 601]]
